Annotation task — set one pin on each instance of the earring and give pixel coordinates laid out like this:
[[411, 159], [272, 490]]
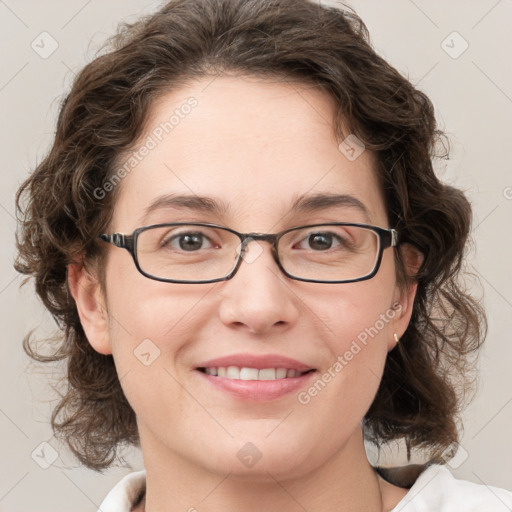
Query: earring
[[397, 339]]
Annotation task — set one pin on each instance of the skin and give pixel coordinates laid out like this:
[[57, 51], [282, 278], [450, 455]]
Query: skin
[[255, 145]]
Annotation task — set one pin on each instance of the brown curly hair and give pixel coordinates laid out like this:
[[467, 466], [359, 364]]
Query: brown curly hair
[[104, 115]]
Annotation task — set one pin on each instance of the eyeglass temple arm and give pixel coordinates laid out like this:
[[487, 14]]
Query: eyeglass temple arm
[[119, 240], [394, 237]]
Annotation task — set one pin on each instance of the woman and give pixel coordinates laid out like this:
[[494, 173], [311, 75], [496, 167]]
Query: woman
[[239, 229]]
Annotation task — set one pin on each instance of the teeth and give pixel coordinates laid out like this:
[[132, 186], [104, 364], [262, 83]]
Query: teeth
[[281, 373], [245, 373], [234, 372], [267, 374]]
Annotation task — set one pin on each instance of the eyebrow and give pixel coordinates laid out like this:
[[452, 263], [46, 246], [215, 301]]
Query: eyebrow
[[303, 204], [323, 201], [188, 202]]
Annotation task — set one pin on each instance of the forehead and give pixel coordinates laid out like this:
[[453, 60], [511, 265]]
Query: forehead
[[254, 147]]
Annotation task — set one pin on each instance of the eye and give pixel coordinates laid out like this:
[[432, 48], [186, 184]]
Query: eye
[[321, 241], [188, 241]]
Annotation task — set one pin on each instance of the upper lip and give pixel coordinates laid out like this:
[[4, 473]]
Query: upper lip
[[256, 361]]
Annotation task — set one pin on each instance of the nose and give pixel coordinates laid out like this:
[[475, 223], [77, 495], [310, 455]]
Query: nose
[[258, 297]]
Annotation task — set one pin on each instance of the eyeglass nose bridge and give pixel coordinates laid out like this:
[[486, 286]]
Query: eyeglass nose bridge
[[265, 237], [246, 238]]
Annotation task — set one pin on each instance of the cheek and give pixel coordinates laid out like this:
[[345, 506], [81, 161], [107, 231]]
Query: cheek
[[358, 344], [151, 322], [355, 338], [154, 320], [141, 308], [359, 314], [150, 329], [148, 325], [356, 330]]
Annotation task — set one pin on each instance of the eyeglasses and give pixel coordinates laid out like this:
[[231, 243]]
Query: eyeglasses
[[180, 252]]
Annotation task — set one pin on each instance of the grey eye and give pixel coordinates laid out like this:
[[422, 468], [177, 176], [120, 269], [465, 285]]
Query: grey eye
[[189, 242]]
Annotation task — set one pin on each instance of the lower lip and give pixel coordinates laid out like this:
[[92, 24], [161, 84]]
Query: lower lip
[[258, 390]]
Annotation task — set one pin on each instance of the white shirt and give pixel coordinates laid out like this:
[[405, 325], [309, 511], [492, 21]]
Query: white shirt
[[435, 490]]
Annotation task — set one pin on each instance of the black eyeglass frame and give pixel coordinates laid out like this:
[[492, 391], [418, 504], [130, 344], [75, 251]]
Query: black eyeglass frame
[[387, 238]]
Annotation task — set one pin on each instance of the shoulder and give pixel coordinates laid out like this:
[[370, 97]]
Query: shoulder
[[437, 489], [125, 494]]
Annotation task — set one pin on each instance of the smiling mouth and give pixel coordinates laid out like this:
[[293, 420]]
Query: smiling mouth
[[244, 373]]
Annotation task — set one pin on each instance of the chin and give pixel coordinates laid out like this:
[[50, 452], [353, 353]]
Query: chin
[[265, 458]]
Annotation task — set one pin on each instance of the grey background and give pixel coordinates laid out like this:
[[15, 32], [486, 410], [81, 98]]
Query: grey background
[[473, 98]]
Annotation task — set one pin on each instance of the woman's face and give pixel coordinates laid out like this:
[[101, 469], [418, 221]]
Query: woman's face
[[254, 149]]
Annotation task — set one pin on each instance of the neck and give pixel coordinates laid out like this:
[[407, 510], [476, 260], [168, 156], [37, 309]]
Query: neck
[[346, 481]]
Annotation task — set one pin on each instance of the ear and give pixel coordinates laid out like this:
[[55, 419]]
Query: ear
[[404, 297], [86, 290]]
